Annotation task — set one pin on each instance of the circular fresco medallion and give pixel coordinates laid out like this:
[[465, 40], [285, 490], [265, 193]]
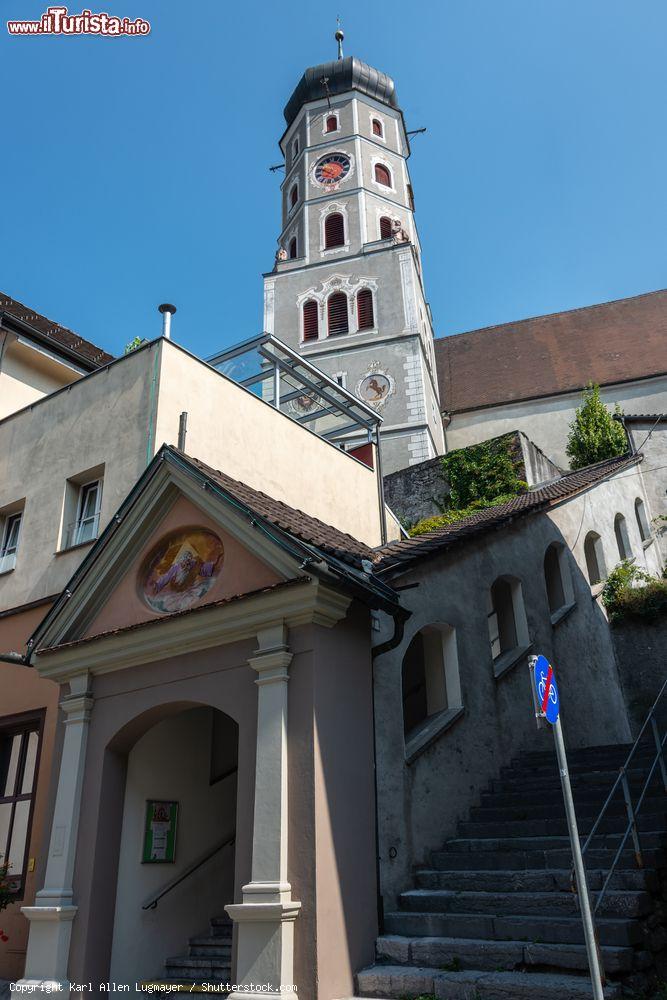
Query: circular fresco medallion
[[180, 569], [374, 388], [303, 404]]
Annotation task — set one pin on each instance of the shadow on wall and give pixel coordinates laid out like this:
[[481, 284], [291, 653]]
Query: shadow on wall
[[451, 713], [641, 653]]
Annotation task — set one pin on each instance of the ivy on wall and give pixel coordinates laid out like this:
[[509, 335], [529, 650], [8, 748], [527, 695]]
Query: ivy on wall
[[481, 476]]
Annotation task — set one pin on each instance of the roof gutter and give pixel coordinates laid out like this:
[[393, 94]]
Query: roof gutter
[[13, 324], [16, 658]]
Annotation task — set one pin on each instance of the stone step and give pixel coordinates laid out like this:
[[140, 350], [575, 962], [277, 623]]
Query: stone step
[[613, 931], [553, 794], [218, 945], [558, 827], [547, 880], [617, 903], [221, 927], [596, 781], [465, 953], [586, 811], [518, 860], [199, 969], [387, 981], [650, 839]]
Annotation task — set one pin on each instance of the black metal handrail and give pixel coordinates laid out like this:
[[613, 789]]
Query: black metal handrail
[[152, 903], [632, 810]]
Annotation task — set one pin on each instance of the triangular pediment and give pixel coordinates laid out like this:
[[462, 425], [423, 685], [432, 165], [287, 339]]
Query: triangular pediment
[[173, 546]]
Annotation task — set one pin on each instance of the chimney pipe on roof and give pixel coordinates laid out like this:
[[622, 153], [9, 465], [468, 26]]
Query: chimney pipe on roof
[[167, 311]]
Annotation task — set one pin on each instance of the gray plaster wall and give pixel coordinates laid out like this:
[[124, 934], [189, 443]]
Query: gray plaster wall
[[546, 421], [420, 803], [651, 438], [641, 654]]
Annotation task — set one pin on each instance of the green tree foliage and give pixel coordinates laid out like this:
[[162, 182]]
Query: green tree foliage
[[594, 434], [483, 475]]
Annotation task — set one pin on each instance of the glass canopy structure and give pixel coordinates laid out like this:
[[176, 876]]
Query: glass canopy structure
[[278, 375]]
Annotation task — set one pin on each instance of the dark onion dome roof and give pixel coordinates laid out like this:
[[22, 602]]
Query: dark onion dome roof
[[343, 75]]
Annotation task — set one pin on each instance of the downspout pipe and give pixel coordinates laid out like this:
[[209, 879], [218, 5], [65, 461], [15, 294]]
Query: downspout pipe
[[400, 616]]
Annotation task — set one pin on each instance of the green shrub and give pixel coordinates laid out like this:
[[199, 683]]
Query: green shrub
[[629, 592]]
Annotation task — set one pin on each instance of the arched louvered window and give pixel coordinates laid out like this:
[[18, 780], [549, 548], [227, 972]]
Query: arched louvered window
[[382, 175], [334, 230], [385, 227], [337, 313], [293, 196], [377, 127], [332, 124], [310, 320], [365, 309], [292, 248]]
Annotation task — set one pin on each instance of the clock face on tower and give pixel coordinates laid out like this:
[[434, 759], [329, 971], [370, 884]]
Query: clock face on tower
[[331, 169]]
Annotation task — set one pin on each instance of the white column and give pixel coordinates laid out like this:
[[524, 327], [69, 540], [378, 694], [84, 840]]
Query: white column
[[51, 916], [265, 957]]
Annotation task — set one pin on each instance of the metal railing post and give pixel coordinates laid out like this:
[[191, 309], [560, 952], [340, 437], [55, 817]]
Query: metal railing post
[[658, 744], [632, 820]]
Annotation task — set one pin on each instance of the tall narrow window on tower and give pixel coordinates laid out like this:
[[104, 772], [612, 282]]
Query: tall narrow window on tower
[[337, 313], [293, 196], [365, 309], [377, 128], [331, 124], [310, 330], [382, 175], [385, 228], [292, 248], [334, 230]]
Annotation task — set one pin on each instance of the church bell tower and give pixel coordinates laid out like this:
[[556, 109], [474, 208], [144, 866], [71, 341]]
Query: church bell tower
[[347, 289]]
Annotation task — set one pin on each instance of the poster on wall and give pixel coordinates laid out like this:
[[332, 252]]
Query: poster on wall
[[160, 832]]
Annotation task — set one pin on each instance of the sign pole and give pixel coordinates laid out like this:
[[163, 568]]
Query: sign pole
[[580, 871], [547, 705]]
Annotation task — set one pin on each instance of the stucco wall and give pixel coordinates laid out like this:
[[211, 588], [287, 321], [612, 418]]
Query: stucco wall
[[547, 421], [99, 420], [172, 761], [23, 690], [420, 803], [235, 431], [241, 572], [650, 437], [26, 375], [641, 653]]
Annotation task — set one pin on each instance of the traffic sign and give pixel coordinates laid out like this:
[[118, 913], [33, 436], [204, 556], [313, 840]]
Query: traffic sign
[[546, 689]]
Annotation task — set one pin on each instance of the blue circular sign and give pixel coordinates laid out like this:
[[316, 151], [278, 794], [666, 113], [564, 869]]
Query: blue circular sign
[[546, 689]]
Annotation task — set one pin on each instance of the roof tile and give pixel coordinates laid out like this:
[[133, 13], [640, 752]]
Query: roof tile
[[60, 335]]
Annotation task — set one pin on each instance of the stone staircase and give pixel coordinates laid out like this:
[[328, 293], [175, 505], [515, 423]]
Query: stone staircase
[[209, 958], [493, 916]]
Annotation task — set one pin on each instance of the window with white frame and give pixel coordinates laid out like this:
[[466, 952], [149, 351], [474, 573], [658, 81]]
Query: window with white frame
[[430, 679], [81, 513], [377, 127], [10, 528]]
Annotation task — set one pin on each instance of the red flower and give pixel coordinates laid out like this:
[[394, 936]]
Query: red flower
[[3, 936]]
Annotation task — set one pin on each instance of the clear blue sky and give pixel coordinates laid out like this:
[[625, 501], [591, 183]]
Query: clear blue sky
[[136, 170]]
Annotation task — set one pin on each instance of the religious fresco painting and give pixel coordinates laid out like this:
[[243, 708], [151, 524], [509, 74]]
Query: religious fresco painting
[[180, 569]]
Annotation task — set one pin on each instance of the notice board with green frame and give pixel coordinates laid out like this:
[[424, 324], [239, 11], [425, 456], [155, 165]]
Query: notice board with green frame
[[160, 832]]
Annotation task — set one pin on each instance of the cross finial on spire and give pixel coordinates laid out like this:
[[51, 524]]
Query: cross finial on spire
[[339, 36]]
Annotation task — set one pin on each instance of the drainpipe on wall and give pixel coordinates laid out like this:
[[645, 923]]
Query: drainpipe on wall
[[15, 658]]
